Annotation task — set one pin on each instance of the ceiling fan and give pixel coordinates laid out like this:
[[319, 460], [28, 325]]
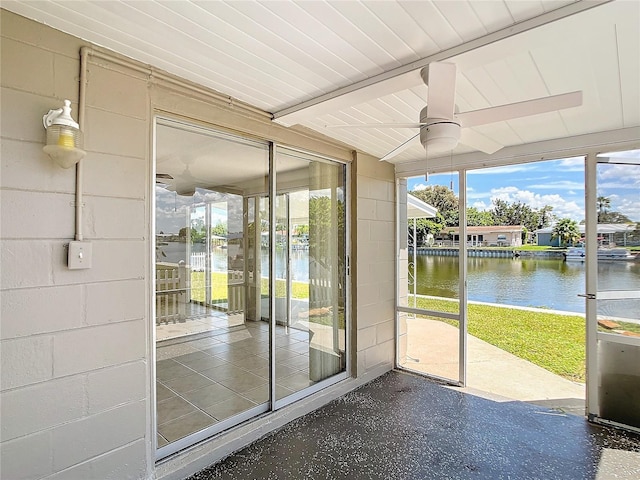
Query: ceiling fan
[[442, 128], [183, 184]]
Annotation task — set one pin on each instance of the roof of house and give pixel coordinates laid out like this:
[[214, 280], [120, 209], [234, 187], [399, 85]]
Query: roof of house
[[488, 229], [602, 228]]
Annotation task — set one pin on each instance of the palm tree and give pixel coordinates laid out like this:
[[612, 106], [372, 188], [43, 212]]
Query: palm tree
[[603, 204], [566, 230]]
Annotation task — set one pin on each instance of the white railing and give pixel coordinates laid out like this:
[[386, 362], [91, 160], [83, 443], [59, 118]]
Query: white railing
[[198, 261], [235, 291], [170, 293], [320, 291]]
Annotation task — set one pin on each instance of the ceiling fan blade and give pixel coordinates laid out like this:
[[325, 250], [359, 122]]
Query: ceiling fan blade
[[478, 141], [400, 148], [378, 125], [520, 109], [441, 90]]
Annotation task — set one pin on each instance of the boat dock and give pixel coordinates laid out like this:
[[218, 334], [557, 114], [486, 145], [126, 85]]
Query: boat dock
[[489, 252], [471, 252]]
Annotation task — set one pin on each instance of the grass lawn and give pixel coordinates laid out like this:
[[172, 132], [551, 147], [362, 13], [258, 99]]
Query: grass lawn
[[628, 326], [219, 287], [539, 248], [554, 342]]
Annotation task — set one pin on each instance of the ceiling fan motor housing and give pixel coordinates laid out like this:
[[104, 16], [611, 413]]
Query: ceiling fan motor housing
[[440, 134]]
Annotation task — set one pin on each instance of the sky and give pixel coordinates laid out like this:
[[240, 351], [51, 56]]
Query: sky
[[559, 183]]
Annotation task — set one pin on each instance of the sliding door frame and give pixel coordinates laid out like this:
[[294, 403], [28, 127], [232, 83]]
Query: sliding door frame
[[272, 403]]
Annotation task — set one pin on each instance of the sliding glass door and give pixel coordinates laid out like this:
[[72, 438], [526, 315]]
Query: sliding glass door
[[310, 266], [250, 282]]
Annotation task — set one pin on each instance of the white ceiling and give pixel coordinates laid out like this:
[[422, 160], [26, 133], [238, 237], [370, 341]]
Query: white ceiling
[[286, 57]]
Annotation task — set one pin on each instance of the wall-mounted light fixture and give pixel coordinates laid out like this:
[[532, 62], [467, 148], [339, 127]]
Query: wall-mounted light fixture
[[64, 138]]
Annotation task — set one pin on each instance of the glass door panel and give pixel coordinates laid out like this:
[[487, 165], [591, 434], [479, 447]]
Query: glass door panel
[[250, 314], [212, 345], [618, 288], [428, 276], [311, 295]]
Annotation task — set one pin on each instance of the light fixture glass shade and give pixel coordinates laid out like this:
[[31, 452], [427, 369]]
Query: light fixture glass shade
[[440, 137], [64, 138]]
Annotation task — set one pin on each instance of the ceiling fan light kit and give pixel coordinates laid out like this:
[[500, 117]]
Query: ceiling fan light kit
[[438, 134]]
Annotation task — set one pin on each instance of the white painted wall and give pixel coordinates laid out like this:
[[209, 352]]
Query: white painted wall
[[76, 346], [375, 263], [73, 343]]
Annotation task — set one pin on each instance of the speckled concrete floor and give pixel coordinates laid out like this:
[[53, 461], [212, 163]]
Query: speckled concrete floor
[[402, 426]]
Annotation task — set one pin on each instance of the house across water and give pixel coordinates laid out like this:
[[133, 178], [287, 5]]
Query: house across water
[[608, 234], [492, 236]]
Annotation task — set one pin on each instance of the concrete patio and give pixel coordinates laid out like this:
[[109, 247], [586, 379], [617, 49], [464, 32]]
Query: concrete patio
[[402, 426], [491, 372]]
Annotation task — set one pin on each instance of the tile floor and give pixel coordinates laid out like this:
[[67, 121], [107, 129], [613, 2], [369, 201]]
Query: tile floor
[[206, 377]]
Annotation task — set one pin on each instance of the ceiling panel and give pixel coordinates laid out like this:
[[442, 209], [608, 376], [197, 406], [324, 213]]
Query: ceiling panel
[[374, 56], [278, 55], [396, 19], [526, 9], [432, 23], [628, 42], [493, 15], [463, 18]]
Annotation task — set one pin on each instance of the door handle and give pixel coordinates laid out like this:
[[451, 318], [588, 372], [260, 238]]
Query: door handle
[[588, 296]]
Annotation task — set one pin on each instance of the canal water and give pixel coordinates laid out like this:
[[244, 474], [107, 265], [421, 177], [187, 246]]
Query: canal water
[[173, 252], [527, 282]]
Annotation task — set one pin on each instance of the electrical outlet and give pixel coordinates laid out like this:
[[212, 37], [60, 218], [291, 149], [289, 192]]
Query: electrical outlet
[[79, 255]]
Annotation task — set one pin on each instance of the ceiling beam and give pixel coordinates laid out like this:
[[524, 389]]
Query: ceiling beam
[[408, 76], [566, 147]]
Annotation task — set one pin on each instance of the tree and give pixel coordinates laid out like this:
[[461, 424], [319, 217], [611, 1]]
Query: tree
[[603, 204], [517, 213], [545, 217], [501, 212], [607, 216], [426, 226], [567, 231], [443, 199], [478, 218], [220, 229], [321, 227], [613, 217]]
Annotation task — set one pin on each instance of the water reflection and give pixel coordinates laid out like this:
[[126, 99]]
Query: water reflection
[[174, 252], [528, 282]]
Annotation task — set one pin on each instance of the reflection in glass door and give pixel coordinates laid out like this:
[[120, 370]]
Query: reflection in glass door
[[251, 280], [311, 294], [614, 320], [212, 345]]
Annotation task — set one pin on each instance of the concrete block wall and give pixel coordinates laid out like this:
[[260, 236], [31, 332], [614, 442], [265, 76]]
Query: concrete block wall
[[74, 397], [375, 264], [402, 270], [76, 346]]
